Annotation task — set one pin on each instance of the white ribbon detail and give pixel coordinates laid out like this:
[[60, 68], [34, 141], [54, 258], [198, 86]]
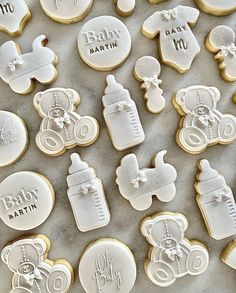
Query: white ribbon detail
[[151, 81], [13, 64], [61, 121], [172, 253], [170, 13], [226, 50], [222, 196], [140, 178], [124, 106], [207, 120], [86, 188], [30, 278]]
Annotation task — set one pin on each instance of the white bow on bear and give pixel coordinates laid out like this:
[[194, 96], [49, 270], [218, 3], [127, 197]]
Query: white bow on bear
[[61, 121], [172, 253], [13, 64], [30, 278]]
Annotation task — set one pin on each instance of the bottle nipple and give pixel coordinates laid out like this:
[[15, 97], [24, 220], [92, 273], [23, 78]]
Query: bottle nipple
[[77, 164], [112, 85]]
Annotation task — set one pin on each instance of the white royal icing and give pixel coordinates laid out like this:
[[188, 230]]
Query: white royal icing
[[26, 200], [107, 266], [18, 70], [217, 7], [178, 45], [125, 7], [229, 255], [62, 128], [139, 185], [172, 256], [121, 116]]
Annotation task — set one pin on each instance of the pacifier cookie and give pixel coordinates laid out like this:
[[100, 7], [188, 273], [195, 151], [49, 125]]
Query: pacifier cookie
[[217, 7], [229, 255], [125, 7]]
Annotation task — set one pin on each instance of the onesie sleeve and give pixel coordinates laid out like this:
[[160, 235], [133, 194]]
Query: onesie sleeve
[[152, 25], [190, 14]]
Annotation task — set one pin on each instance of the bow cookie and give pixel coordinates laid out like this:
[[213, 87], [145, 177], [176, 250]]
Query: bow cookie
[[124, 106], [226, 50], [207, 120], [140, 178], [86, 188], [61, 121], [151, 81], [30, 278], [222, 196], [60, 2], [13, 64], [170, 13], [172, 253]]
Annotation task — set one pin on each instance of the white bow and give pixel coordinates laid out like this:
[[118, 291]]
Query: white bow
[[207, 120], [86, 188], [222, 196], [30, 278], [225, 50], [170, 13], [60, 2], [140, 178], [61, 121], [149, 81], [124, 106], [17, 61], [172, 253]]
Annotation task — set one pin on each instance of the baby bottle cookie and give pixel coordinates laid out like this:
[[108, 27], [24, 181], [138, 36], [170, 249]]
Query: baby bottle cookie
[[121, 116], [107, 266], [229, 255], [202, 124], [62, 128], [139, 185], [19, 70], [178, 45], [216, 202], [86, 195], [217, 7], [221, 42], [125, 7], [27, 259], [172, 255], [147, 70]]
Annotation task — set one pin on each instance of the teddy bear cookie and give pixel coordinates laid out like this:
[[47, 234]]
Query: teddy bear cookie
[[27, 259], [14, 15], [139, 185], [125, 7], [229, 255], [172, 255], [107, 266], [216, 202], [104, 43], [62, 128], [147, 70], [66, 11], [217, 7], [221, 42], [178, 45], [19, 70], [87, 196], [202, 124]]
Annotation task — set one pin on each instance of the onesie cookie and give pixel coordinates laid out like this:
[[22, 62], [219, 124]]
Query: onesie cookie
[[121, 116], [178, 45], [62, 128], [27, 259], [104, 43], [125, 7], [139, 185], [13, 138], [229, 255], [171, 255], [107, 266], [217, 7], [86, 195], [221, 42], [202, 124], [26, 200], [147, 70], [19, 70]]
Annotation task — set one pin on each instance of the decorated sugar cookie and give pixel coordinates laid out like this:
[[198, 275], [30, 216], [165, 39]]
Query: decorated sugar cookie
[[66, 11], [27, 259], [216, 202], [139, 185], [14, 15], [86, 195], [19, 70], [104, 43], [202, 124], [172, 256], [178, 45], [26, 200], [121, 116], [13, 138], [107, 266], [229, 255], [125, 7], [147, 69], [217, 7], [221, 42], [62, 128]]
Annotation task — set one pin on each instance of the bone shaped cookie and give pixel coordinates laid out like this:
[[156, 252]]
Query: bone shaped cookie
[[125, 7], [217, 7], [229, 255]]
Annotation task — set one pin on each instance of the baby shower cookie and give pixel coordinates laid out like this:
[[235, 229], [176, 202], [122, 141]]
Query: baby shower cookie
[[62, 128], [13, 138], [178, 45], [171, 256], [147, 70], [66, 11], [217, 7], [121, 116], [125, 7], [26, 200], [221, 42], [104, 43], [229, 255], [19, 70], [139, 185], [86, 195], [202, 124], [27, 259], [107, 266], [14, 15]]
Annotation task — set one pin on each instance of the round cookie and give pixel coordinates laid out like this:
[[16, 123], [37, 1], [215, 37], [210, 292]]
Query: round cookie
[[26, 200], [13, 138], [107, 266]]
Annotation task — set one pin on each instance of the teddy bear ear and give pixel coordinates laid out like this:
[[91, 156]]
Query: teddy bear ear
[[215, 93], [40, 245], [180, 96], [182, 221], [73, 95], [37, 99], [147, 227], [5, 252]]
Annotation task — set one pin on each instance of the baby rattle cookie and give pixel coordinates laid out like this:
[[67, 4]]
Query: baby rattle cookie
[[13, 138], [202, 124], [217, 7], [62, 128], [139, 185], [229, 255], [107, 266], [19, 70], [147, 69], [125, 7], [172, 255], [221, 42], [27, 259]]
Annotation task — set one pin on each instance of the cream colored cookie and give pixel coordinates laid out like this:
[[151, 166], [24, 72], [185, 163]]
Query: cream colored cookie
[[217, 7], [228, 255], [125, 7]]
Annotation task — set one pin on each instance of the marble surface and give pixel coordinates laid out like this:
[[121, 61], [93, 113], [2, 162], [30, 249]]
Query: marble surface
[[67, 241]]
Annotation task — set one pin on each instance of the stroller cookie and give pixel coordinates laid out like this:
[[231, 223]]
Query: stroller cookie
[[217, 7], [229, 255], [125, 7]]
